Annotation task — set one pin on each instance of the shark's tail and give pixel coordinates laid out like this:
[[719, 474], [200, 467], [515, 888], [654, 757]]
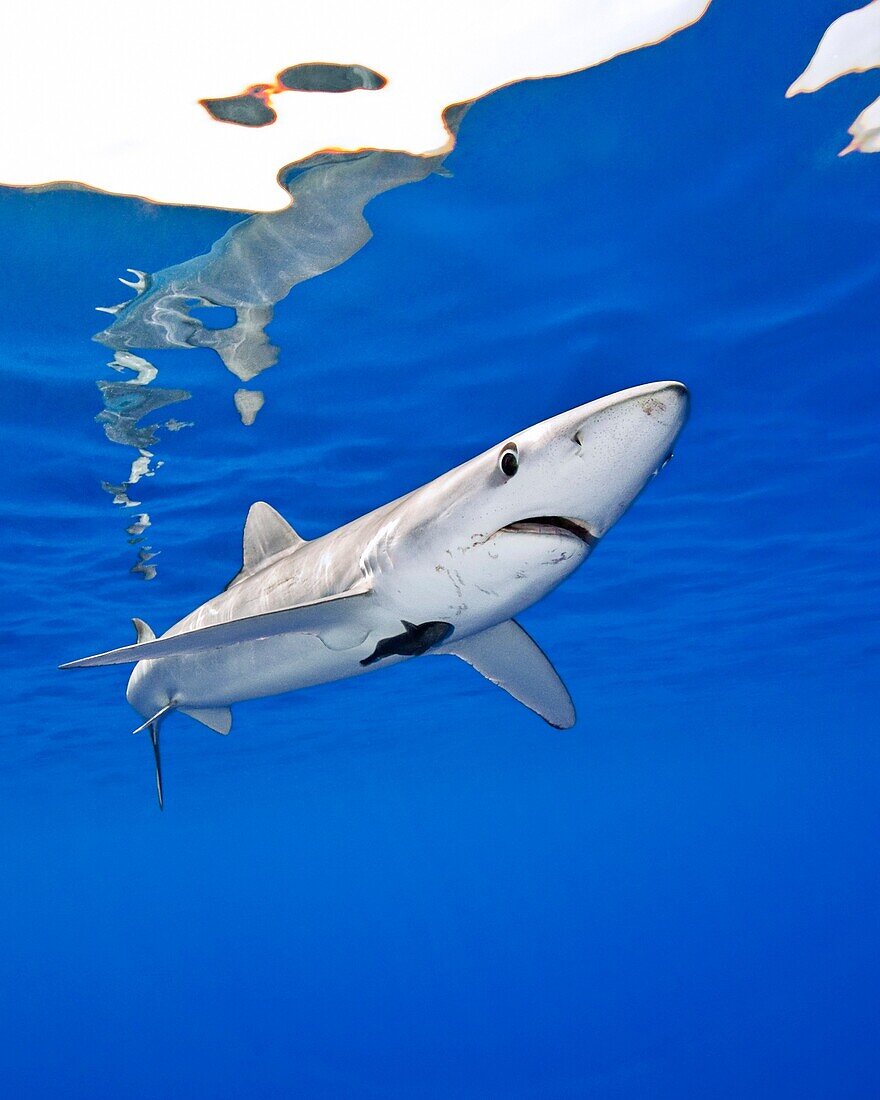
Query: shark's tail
[[153, 725], [218, 719], [154, 737]]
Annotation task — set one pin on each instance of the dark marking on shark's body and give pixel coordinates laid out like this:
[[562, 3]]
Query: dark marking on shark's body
[[416, 640]]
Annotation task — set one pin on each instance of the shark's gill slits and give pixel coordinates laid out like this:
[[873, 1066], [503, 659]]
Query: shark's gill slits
[[541, 525]]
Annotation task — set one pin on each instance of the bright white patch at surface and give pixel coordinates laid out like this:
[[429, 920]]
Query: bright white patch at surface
[[850, 45], [107, 93]]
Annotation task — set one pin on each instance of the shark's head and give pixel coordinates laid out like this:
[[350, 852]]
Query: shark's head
[[545, 495], [586, 466]]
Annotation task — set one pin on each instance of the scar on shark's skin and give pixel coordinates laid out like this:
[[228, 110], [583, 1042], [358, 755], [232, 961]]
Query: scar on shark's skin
[[253, 106], [413, 642]]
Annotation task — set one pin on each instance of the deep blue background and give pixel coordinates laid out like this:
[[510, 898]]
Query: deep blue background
[[408, 885]]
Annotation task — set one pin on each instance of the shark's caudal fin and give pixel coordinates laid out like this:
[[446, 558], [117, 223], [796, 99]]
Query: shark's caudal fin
[[154, 738], [153, 725], [327, 616], [266, 533], [508, 657], [218, 719]]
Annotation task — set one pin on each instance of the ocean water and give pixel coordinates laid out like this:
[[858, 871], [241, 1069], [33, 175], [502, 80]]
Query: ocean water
[[407, 885]]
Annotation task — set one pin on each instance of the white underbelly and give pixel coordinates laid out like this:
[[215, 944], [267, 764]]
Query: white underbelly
[[471, 588], [477, 586], [251, 670]]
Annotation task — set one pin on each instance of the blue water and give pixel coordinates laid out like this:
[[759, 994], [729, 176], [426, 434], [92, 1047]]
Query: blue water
[[407, 885]]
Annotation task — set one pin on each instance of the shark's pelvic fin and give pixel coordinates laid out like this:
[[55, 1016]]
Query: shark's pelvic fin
[[155, 718], [508, 657], [317, 617], [266, 533], [218, 719], [144, 633]]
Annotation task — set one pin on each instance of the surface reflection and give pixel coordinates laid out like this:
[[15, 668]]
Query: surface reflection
[[247, 271]]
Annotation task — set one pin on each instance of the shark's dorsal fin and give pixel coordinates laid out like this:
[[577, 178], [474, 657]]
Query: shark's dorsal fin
[[266, 533], [144, 632], [508, 657]]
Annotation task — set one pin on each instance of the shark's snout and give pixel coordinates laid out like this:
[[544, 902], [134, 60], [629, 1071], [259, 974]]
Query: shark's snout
[[668, 409], [663, 405], [670, 404], [621, 442]]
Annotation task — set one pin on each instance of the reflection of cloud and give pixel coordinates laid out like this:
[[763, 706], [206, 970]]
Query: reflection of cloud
[[253, 266], [118, 108], [248, 403], [136, 529], [259, 261], [143, 564], [850, 45], [253, 106], [125, 405], [318, 76]]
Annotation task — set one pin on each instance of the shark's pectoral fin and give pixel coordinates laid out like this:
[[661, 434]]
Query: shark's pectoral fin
[[508, 657], [218, 719], [330, 616], [266, 533]]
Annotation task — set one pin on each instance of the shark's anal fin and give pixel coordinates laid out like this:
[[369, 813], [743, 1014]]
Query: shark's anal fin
[[218, 719], [266, 533], [327, 616], [508, 657]]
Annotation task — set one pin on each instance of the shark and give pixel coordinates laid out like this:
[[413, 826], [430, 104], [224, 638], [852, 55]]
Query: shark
[[443, 570]]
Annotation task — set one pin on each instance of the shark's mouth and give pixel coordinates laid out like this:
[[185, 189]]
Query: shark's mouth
[[554, 525]]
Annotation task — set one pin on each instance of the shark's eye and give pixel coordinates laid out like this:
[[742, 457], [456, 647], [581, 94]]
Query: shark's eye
[[508, 462]]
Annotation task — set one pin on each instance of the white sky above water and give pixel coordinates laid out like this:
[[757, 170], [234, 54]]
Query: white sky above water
[[850, 45], [105, 92]]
